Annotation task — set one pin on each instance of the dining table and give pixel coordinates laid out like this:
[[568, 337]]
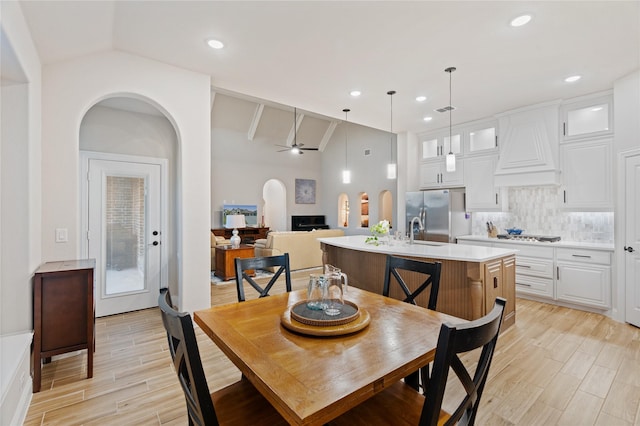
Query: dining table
[[310, 374]]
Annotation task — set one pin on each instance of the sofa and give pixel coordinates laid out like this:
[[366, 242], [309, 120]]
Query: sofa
[[216, 241], [303, 246]]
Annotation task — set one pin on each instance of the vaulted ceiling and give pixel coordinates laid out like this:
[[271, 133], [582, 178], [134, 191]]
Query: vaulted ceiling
[[311, 54]]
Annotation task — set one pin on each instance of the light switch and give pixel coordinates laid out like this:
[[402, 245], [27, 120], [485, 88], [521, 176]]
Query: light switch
[[62, 236]]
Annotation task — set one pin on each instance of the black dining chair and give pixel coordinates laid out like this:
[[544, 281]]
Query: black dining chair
[[280, 263], [237, 404], [431, 272], [400, 404]]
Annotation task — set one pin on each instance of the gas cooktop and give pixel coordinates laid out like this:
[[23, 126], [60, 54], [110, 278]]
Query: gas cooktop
[[541, 238]]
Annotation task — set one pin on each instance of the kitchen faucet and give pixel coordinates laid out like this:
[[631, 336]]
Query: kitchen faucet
[[411, 226]]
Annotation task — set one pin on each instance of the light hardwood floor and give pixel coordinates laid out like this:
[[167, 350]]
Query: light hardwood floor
[[555, 366]]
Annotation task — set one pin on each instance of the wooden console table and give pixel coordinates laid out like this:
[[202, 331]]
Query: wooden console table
[[63, 312], [225, 264], [248, 235]]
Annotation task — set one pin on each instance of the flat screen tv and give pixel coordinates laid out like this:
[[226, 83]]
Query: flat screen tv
[[249, 211]]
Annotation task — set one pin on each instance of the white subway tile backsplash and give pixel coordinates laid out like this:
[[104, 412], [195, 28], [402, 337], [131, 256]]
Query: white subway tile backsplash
[[535, 209]]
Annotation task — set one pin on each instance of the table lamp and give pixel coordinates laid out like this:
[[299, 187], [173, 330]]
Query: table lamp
[[235, 221]]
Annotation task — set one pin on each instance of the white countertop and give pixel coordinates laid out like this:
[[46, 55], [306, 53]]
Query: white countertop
[[464, 253], [560, 244]]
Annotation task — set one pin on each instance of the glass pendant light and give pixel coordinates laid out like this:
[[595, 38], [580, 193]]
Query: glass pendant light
[[391, 167], [346, 173], [450, 159]]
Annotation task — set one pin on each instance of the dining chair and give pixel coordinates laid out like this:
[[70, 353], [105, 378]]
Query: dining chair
[[280, 262], [237, 404], [400, 404], [431, 270]]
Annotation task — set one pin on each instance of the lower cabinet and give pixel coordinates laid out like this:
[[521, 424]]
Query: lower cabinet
[[584, 277], [499, 275]]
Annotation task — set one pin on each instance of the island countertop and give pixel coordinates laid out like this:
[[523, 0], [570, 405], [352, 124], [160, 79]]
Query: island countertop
[[426, 249]]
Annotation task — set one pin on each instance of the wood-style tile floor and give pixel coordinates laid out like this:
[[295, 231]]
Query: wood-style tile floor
[[556, 366]]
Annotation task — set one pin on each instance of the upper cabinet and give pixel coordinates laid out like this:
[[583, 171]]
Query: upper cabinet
[[587, 175], [482, 194], [480, 137], [528, 146], [438, 145], [434, 174], [588, 116]]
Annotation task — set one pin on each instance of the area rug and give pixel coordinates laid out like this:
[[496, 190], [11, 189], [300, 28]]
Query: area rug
[[259, 274]]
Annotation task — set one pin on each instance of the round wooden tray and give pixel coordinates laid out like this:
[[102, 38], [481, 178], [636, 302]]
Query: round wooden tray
[[334, 330], [301, 313]]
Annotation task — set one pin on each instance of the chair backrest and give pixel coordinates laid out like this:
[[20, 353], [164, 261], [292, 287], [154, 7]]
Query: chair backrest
[[254, 263], [183, 347], [454, 340], [432, 269]]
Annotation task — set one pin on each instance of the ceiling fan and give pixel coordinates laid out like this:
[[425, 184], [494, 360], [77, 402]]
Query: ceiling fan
[[295, 148]]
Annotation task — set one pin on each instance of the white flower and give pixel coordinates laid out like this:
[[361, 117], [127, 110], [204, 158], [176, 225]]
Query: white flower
[[378, 230]]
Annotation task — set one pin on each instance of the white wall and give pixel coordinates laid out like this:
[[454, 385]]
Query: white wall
[[69, 90], [20, 217], [368, 174], [132, 133]]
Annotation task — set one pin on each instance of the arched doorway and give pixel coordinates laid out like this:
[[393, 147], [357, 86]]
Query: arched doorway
[[128, 151], [274, 211], [385, 203]]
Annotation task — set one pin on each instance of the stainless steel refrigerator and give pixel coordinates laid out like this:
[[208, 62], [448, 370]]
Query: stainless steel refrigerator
[[442, 213]]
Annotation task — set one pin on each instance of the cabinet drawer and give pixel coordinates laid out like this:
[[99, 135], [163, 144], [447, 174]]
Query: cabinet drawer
[[590, 256], [535, 286], [534, 267]]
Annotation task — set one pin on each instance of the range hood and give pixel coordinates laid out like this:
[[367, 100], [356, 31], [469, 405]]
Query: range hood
[[529, 147]]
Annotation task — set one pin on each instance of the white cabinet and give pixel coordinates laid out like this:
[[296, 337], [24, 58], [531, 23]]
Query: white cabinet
[[534, 270], [481, 193], [434, 174], [528, 147], [588, 116], [480, 137], [584, 277], [438, 145], [587, 175]]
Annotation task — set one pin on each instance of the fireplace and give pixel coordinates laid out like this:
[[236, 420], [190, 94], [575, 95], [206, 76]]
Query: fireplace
[[308, 222]]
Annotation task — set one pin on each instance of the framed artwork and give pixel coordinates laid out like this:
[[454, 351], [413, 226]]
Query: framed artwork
[[305, 191], [249, 211]]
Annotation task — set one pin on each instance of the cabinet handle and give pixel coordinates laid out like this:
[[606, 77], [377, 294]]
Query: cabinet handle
[[564, 129], [557, 272], [524, 285], [523, 266], [564, 196], [496, 141], [581, 255], [495, 282], [496, 198]]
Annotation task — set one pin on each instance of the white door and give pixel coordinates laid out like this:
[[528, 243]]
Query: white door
[[124, 234], [632, 239]]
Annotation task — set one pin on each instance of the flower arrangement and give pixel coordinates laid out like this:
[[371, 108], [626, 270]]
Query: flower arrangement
[[379, 230]]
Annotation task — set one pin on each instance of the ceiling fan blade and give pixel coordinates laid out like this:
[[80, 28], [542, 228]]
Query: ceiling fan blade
[[308, 149], [283, 150], [284, 146]]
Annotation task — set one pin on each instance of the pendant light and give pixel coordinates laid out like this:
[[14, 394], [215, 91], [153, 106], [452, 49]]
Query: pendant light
[[391, 167], [450, 159], [346, 173]]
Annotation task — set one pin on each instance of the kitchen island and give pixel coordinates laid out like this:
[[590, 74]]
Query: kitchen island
[[470, 280]]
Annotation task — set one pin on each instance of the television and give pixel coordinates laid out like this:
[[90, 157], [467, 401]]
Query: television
[[308, 222], [249, 211]]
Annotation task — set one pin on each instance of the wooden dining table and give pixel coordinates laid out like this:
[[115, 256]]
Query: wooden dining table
[[312, 379]]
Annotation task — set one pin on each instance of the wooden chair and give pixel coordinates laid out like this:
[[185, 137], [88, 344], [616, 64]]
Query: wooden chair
[[253, 263], [432, 280], [400, 404], [236, 404]]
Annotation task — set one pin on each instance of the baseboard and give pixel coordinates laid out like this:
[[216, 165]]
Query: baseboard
[[17, 387]]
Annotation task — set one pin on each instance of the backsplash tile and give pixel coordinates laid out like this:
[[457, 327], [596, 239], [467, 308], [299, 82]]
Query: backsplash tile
[[535, 209]]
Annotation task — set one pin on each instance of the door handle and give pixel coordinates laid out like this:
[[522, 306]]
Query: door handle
[[629, 249], [155, 243]]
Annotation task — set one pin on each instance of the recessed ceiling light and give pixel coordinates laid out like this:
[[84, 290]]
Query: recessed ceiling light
[[355, 93], [596, 109], [520, 20], [215, 44], [427, 118], [421, 98], [573, 78]]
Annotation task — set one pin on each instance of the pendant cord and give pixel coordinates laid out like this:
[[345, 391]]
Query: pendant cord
[[346, 135], [391, 93]]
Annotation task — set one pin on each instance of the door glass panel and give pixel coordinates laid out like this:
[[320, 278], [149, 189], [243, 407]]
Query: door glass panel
[[430, 148], [594, 118], [482, 139], [125, 225], [453, 146]]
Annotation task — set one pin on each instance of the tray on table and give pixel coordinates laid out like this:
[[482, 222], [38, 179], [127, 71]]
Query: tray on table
[[303, 320]]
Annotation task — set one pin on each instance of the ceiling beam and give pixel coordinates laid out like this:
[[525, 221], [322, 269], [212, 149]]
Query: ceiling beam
[[255, 121], [293, 130], [327, 135]]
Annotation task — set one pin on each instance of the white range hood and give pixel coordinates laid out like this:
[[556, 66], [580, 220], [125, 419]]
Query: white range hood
[[529, 146]]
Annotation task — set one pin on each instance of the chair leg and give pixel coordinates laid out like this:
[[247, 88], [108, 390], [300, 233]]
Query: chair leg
[[413, 380]]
